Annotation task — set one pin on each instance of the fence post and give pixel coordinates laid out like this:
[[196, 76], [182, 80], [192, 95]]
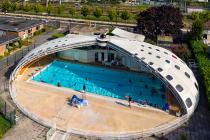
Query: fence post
[[22, 53], [15, 57], [5, 108], [7, 60]]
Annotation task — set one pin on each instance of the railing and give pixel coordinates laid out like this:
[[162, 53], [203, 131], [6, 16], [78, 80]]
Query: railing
[[162, 129], [159, 130]]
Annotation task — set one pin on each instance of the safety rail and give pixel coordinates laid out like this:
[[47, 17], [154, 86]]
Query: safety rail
[[162, 129], [159, 130]]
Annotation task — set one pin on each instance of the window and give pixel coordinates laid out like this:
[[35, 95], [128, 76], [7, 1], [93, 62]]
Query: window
[[157, 50], [179, 88], [149, 53], [174, 56], [196, 86], [142, 58], [150, 63], [142, 45], [160, 69], [169, 77], [142, 50], [165, 52], [188, 76], [177, 67], [136, 54], [37, 27], [167, 61], [188, 102], [149, 47], [158, 56]]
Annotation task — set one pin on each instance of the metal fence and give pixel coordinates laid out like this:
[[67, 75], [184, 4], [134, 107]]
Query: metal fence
[[7, 111], [15, 57], [7, 65]]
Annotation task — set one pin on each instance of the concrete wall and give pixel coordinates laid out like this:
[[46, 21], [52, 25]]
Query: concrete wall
[[88, 56], [2, 49]]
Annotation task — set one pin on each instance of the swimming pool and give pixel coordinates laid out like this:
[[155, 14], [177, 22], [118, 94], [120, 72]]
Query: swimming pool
[[104, 81]]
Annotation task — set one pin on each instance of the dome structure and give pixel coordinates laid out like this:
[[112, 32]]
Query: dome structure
[[162, 63]]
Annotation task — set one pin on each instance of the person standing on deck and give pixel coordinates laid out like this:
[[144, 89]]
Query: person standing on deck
[[129, 100], [84, 91]]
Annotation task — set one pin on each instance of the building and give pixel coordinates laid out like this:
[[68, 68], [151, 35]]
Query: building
[[176, 85], [206, 34], [5, 41], [191, 9], [164, 41], [22, 28]]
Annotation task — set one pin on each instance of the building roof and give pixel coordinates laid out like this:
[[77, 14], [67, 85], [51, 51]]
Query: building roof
[[8, 38], [16, 25], [167, 66], [125, 34]]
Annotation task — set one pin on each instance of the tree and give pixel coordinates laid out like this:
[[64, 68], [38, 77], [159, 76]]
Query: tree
[[72, 11], [6, 6], [49, 9], [125, 15], [163, 20], [197, 29], [112, 14], [85, 11], [98, 12], [26, 7], [15, 6], [60, 9], [38, 8]]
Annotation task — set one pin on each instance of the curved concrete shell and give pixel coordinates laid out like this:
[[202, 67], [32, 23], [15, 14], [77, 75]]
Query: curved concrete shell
[[162, 63]]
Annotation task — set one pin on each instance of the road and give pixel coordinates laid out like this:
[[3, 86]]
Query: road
[[67, 20]]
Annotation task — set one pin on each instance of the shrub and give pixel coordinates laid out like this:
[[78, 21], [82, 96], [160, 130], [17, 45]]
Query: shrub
[[204, 65], [57, 35]]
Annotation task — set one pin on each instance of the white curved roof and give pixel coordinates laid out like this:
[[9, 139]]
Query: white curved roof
[[158, 56], [155, 57], [125, 34]]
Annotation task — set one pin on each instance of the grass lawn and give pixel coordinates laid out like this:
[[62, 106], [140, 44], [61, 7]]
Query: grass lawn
[[4, 126]]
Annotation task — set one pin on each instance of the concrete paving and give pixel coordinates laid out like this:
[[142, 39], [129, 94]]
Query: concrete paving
[[100, 116]]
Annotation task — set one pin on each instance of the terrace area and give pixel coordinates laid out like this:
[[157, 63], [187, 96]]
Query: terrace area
[[102, 115]]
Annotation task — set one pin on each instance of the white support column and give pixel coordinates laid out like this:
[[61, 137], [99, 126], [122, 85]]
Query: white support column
[[99, 57], [105, 56]]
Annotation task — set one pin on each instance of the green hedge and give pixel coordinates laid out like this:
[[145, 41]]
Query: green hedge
[[57, 35], [4, 126], [204, 64]]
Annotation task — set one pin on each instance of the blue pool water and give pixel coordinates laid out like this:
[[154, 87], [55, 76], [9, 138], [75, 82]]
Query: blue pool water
[[104, 81]]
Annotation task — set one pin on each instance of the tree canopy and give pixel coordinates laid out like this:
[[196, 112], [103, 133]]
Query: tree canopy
[[197, 29], [85, 11], [72, 11], [112, 14], [38, 8], [26, 7], [98, 12], [6, 5], [125, 15], [163, 20]]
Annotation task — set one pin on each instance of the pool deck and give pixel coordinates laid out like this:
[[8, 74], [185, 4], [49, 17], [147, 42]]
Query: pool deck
[[102, 115]]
